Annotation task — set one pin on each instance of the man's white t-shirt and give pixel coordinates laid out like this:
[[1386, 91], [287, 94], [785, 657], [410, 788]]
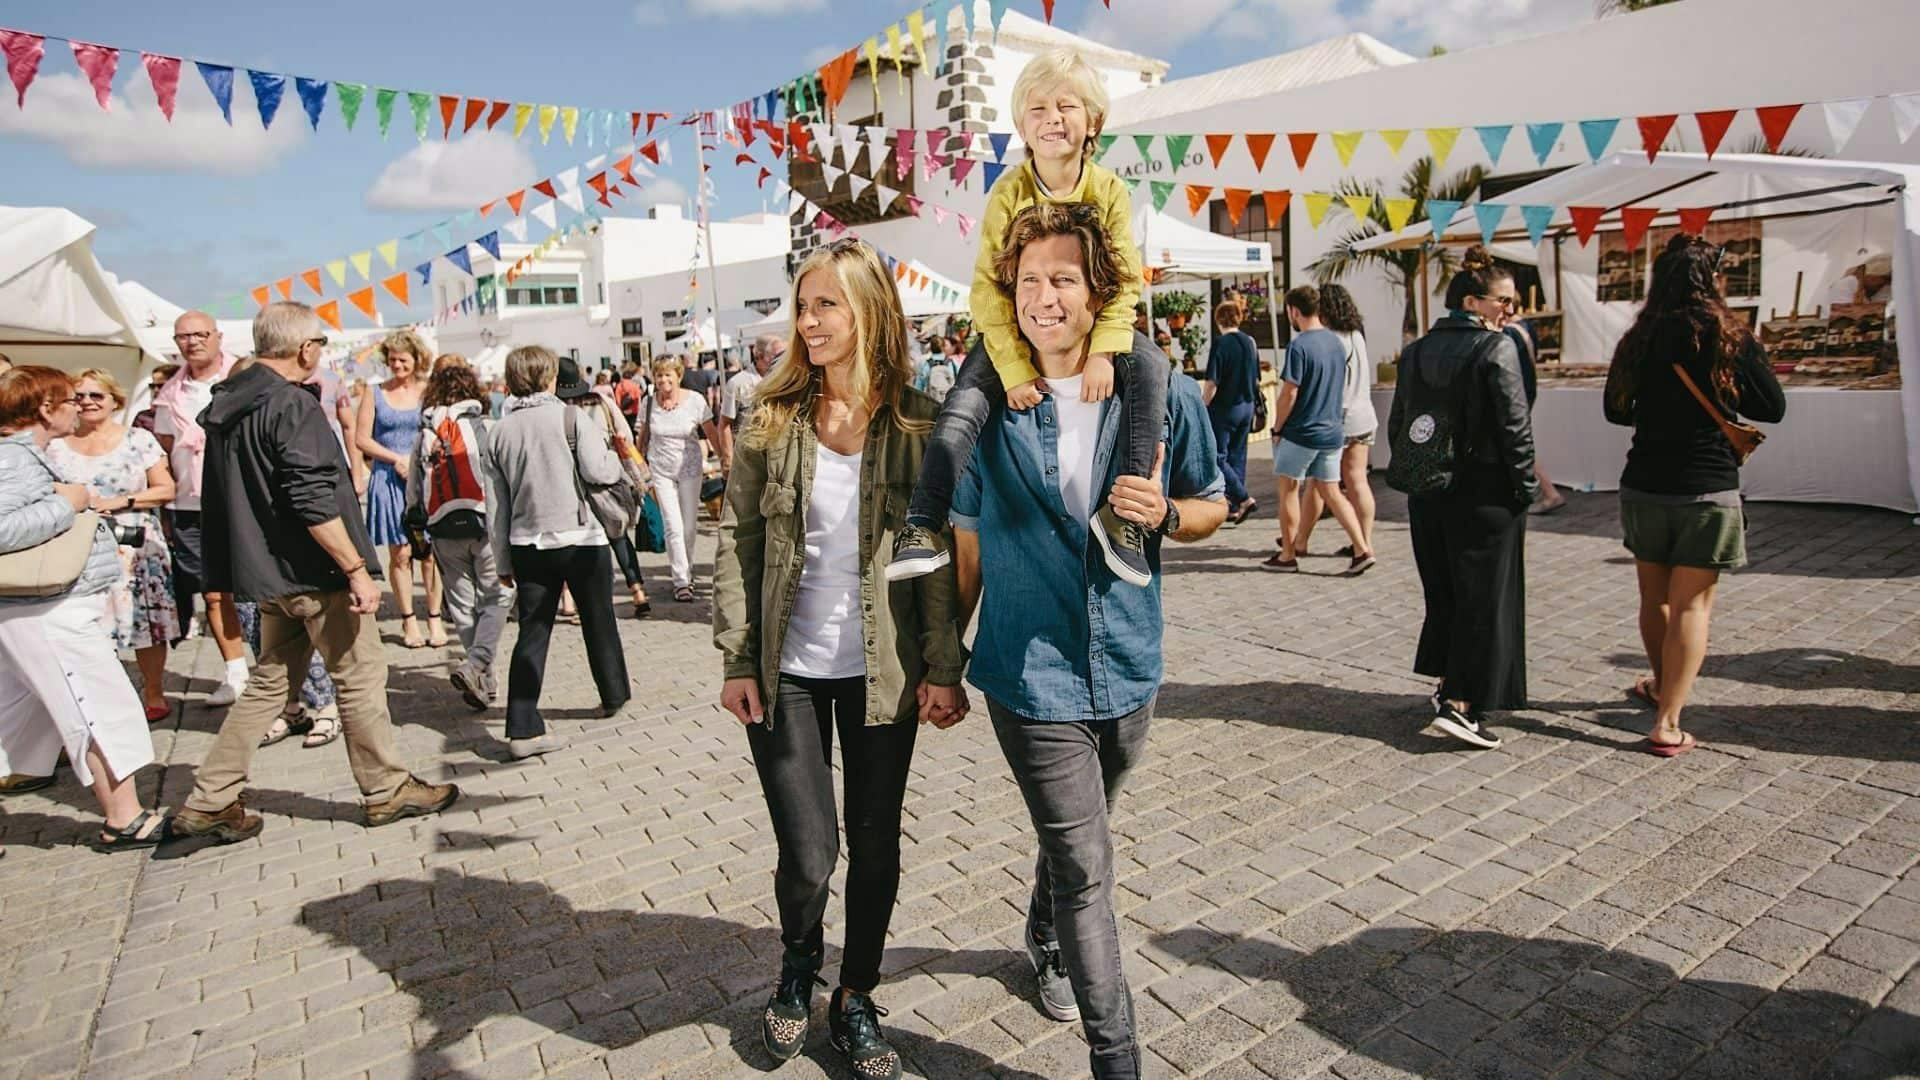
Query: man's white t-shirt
[[194, 398], [736, 398], [673, 440], [825, 636], [1079, 431]]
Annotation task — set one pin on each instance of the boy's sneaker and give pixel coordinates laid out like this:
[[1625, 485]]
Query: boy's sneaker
[[1056, 991], [783, 1027], [853, 1026], [917, 551], [1465, 726], [1125, 545]]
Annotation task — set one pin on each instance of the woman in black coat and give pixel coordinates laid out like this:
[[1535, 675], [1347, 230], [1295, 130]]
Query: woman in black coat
[[1469, 539]]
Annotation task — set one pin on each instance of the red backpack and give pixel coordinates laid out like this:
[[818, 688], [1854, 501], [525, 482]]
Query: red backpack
[[456, 501]]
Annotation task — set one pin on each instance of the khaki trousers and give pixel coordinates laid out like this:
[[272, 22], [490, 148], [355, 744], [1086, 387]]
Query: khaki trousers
[[291, 629]]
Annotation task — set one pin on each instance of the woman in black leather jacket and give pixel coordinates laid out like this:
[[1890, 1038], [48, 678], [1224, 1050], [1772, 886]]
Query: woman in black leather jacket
[[1469, 540]]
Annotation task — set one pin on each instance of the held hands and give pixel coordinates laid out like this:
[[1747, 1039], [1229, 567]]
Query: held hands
[[941, 706], [1097, 381], [741, 697], [1140, 499], [1026, 395]]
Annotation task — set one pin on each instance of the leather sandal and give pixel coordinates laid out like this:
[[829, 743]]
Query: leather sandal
[[285, 725], [323, 728], [133, 836], [410, 633]]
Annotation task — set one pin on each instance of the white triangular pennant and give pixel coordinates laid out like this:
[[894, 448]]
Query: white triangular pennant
[[822, 137], [1843, 117], [885, 194], [832, 175], [546, 215], [849, 142], [1906, 114], [811, 213], [517, 229], [859, 184], [569, 180], [594, 165]]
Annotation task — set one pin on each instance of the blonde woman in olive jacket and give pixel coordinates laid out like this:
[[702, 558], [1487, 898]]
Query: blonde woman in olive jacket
[[815, 638]]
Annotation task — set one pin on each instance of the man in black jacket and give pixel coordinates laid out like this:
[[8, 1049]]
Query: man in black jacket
[[283, 529]]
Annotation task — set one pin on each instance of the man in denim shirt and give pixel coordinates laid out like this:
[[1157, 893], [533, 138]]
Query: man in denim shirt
[[1068, 656]]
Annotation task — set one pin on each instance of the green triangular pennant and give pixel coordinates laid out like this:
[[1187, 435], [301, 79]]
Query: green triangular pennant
[[383, 107], [1161, 189], [1100, 149], [350, 95], [422, 112], [1177, 149], [1145, 143]]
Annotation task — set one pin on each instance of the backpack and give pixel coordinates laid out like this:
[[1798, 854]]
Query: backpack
[[615, 506], [456, 503], [1427, 425]]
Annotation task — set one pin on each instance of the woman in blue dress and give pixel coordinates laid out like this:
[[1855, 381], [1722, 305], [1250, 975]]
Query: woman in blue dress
[[385, 430]]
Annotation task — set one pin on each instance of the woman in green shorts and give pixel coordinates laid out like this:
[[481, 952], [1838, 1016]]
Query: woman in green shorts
[[1680, 494]]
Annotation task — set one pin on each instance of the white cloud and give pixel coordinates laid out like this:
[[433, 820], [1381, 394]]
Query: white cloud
[[660, 190], [663, 12], [61, 110], [454, 175], [1413, 25], [651, 13]]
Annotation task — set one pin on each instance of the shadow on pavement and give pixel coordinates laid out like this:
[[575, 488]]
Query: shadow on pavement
[[1398, 720], [472, 949], [1478, 1003], [1801, 668]]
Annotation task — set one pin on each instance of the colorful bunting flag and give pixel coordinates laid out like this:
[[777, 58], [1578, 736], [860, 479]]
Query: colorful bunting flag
[[1217, 147], [389, 252], [363, 299], [260, 295], [459, 258], [1598, 133], [1302, 143], [219, 80], [1633, 224], [1440, 214], [449, 108], [397, 286], [1713, 127], [267, 89], [383, 100], [1774, 122], [313, 98], [312, 279], [990, 173], [476, 107], [337, 270], [569, 120], [1197, 196], [1906, 114], [1345, 143], [1489, 215], [164, 73], [23, 51], [999, 140], [1258, 144], [1441, 141], [1693, 220], [329, 313], [1177, 150], [1494, 138], [1537, 218], [1361, 206], [362, 264], [497, 110], [1161, 189], [284, 287], [422, 106], [98, 63], [1236, 199], [1543, 138], [425, 270], [1654, 131], [1395, 138], [1399, 212], [1585, 220], [1144, 144], [548, 113], [1276, 204], [1318, 203], [1843, 117]]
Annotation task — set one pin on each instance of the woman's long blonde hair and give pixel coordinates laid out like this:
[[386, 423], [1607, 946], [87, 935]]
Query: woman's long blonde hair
[[882, 365]]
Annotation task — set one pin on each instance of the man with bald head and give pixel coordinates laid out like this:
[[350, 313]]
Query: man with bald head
[[176, 423], [736, 398]]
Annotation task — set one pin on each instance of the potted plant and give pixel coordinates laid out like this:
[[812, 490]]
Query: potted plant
[[1176, 308]]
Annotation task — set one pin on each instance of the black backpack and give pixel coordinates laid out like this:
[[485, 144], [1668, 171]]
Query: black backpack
[[1427, 435]]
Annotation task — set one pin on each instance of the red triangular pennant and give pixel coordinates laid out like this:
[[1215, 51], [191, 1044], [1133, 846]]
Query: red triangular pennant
[[1237, 203], [651, 151], [636, 125], [1774, 122], [476, 108], [1258, 145], [1197, 196], [515, 200], [1217, 147], [498, 110], [765, 174], [545, 187], [1633, 224], [1047, 7], [1653, 132], [625, 168], [1713, 127], [1302, 143], [1693, 220], [799, 138], [1585, 220], [598, 182], [363, 300], [449, 104], [1276, 203], [312, 278]]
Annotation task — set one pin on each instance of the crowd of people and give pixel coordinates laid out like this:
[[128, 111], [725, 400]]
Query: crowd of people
[[878, 500]]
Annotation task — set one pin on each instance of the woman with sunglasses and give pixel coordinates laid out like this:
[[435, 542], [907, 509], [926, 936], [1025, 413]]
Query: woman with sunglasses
[[1469, 540], [127, 478], [1680, 507]]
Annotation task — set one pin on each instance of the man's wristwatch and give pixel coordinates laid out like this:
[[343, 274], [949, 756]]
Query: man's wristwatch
[[1171, 523]]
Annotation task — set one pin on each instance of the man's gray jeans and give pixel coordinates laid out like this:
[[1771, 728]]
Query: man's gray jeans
[[476, 602], [1069, 774]]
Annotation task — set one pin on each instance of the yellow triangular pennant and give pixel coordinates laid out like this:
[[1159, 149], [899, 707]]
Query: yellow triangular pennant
[[873, 65], [1442, 139], [1399, 212], [1395, 138], [547, 113], [520, 115], [1361, 205], [893, 54], [389, 251], [916, 31], [337, 270], [569, 119], [1345, 143], [363, 262], [1318, 202]]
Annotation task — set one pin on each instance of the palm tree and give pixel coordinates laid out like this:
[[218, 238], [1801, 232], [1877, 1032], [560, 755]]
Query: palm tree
[[1403, 266]]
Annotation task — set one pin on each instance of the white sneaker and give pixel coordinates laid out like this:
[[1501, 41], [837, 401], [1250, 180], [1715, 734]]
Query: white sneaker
[[522, 749], [225, 694]]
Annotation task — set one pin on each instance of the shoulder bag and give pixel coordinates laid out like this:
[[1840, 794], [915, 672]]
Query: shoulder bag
[[50, 567], [1743, 437], [615, 506]]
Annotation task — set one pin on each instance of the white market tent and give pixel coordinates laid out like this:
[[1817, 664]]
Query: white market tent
[[1819, 218], [57, 306], [1175, 250]]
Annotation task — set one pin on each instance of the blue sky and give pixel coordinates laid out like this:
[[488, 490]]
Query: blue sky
[[200, 211]]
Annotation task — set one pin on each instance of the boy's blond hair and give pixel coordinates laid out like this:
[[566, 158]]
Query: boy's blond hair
[[1064, 67]]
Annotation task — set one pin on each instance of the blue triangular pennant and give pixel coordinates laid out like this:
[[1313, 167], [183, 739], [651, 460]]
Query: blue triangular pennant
[[1494, 138], [220, 85], [425, 270], [1440, 214], [458, 257], [773, 104], [1537, 219], [267, 88], [442, 234], [990, 173], [490, 243], [1489, 215], [1542, 137], [313, 95], [997, 9], [999, 139], [1598, 134]]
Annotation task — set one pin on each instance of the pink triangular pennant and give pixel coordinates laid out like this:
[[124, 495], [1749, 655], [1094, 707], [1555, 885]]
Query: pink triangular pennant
[[164, 73], [99, 62], [23, 52]]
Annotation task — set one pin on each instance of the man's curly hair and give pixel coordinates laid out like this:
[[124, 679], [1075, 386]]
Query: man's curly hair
[[1078, 220]]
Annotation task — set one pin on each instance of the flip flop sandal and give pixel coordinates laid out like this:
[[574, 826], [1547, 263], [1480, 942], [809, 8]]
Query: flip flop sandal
[[285, 725], [1639, 692], [324, 729], [1671, 750], [157, 713], [683, 594], [131, 837]]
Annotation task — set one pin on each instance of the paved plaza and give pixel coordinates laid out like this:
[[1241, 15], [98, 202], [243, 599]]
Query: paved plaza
[[1309, 885]]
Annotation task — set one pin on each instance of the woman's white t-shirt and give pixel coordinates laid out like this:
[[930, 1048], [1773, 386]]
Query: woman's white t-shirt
[[1079, 431], [825, 636], [1358, 417], [673, 440]]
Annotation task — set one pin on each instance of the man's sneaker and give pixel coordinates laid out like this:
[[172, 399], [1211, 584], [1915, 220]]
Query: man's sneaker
[[1465, 726], [1056, 990], [1125, 545], [783, 1027], [917, 551], [1284, 566], [415, 798], [853, 1026], [469, 683], [225, 694], [229, 826]]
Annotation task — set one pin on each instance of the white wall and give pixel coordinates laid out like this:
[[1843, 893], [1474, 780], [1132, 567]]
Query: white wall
[[646, 298]]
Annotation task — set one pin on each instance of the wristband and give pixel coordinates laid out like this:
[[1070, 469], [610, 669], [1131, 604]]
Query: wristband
[[349, 571]]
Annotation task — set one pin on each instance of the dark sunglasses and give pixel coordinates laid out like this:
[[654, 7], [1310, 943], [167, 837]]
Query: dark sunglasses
[[1510, 303], [320, 341], [91, 395]]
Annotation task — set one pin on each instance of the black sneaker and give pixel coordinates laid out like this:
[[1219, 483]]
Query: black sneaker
[[1125, 545], [1466, 727], [853, 1026], [918, 550], [1050, 970], [783, 1027]]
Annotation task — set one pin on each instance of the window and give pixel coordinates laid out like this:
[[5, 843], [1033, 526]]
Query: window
[[544, 290], [1255, 228], [765, 305], [632, 327]]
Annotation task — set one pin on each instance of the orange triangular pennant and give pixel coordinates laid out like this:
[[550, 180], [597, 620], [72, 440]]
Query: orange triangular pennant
[[1217, 147], [515, 200], [498, 110], [651, 152], [625, 168], [487, 208], [312, 278], [1276, 202], [1258, 145], [1302, 143], [363, 300], [329, 313], [475, 106], [1197, 195], [449, 104], [1237, 203], [260, 295], [284, 287], [397, 285]]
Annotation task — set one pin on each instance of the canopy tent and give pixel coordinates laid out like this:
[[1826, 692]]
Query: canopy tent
[[1173, 250], [57, 306], [1820, 220]]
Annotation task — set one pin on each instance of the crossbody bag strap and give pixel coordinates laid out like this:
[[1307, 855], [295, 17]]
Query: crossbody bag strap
[[573, 459], [1719, 418]]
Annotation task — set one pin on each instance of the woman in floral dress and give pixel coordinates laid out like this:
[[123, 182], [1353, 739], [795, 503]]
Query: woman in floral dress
[[126, 472]]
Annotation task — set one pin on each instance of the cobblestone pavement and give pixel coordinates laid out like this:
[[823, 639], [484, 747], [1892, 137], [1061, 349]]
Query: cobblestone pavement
[[1309, 885]]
